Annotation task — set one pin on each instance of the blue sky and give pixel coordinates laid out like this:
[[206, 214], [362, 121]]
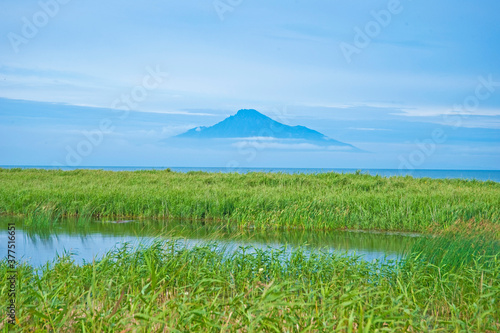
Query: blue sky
[[71, 61]]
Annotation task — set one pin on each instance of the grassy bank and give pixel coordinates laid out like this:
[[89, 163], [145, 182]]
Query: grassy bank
[[167, 289], [265, 201]]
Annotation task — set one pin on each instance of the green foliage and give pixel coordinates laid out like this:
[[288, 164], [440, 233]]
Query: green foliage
[[459, 246], [265, 201], [449, 282], [166, 287]]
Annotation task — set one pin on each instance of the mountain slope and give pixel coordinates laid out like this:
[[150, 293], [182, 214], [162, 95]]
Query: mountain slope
[[253, 124]]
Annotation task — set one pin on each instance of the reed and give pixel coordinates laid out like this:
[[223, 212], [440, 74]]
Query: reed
[[165, 287], [265, 201], [448, 281], [459, 246]]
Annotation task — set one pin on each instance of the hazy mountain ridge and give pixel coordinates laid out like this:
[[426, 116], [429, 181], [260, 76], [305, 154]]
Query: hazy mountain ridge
[[250, 124]]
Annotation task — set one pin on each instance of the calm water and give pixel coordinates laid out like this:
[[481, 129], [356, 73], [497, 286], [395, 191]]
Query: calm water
[[484, 175], [89, 240]]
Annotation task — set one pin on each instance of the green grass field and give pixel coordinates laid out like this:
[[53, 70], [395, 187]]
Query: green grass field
[[259, 200], [448, 281], [167, 289]]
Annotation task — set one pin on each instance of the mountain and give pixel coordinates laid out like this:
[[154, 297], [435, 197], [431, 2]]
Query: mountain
[[253, 125]]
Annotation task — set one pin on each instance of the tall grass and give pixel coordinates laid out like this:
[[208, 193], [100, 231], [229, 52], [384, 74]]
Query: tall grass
[[448, 282], [42, 216], [263, 201], [165, 287], [459, 246]]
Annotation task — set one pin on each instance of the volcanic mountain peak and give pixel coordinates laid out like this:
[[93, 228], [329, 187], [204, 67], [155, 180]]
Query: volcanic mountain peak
[[249, 123]]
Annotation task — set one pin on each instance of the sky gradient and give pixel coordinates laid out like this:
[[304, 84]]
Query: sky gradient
[[414, 83]]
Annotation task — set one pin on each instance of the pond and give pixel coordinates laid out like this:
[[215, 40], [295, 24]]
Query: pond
[[88, 240]]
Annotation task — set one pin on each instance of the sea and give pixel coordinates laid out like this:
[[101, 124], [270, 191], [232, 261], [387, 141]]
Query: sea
[[480, 175]]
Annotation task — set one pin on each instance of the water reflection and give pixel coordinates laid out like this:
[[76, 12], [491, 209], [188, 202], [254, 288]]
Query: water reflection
[[87, 240]]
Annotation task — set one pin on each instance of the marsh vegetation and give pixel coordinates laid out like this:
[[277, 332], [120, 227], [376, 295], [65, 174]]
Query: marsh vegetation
[[446, 281], [164, 287], [266, 201]]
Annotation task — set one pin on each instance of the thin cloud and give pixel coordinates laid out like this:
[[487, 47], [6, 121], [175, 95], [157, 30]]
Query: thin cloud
[[369, 129]]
